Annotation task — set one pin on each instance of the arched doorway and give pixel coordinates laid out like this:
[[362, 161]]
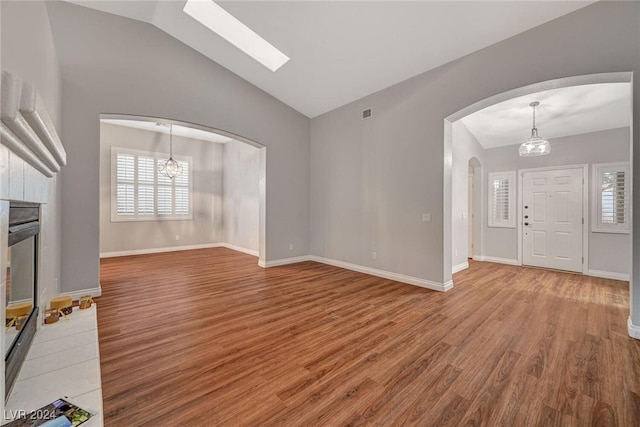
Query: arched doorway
[[618, 77], [203, 151]]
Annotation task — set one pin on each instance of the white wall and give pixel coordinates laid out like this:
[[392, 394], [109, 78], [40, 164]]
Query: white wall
[[241, 195], [465, 147], [206, 227], [116, 65], [31, 56], [371, 180], [607, 252]]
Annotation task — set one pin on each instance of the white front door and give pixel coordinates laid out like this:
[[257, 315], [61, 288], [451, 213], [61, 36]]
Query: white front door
[[552, 219]]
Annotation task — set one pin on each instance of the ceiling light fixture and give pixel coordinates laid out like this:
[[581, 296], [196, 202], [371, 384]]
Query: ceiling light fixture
[[534, 146], [170, 168], [235, 32]]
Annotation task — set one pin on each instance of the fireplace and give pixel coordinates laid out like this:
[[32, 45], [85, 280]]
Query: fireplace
[[21, 290]]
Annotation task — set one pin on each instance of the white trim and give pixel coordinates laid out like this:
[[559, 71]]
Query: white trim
[[159, 250], [76, 295], [608, 275], [585, 208], [423, 283], [240, 249], [283, 261], [497, 260], [460, 267], [634, 330]]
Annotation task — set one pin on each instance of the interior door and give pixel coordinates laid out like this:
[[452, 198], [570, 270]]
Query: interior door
[[552, 219]]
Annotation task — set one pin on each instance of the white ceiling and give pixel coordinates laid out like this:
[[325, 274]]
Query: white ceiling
[[183, 131], [342, 51], [562, 112]]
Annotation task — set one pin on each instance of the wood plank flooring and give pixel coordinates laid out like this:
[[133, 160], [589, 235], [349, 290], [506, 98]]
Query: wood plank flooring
[[208, 338]]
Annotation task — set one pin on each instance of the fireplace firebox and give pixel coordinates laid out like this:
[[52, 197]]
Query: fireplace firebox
[[22, 286]]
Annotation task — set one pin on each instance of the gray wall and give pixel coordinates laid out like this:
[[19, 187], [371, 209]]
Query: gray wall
[[372, 179], [241, 195], [206, 225], [607, 251], [465, 147], [115, 65]]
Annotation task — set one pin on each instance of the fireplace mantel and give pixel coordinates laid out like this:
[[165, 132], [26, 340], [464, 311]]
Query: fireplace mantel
[[26, 127]]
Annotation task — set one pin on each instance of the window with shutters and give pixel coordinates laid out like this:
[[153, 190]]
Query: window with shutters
[[140, 193], [501, 199], [611, 198]]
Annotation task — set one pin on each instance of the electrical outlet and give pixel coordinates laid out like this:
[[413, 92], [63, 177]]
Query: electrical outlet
[[177, 237], [374, 255], [290, 246], [426, 217]]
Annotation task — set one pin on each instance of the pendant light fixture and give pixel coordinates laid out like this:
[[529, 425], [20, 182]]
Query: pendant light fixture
[[170, 168], [534, 146]]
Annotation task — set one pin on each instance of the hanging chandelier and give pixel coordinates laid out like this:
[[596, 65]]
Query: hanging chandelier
[[534, 146], [170, 168]]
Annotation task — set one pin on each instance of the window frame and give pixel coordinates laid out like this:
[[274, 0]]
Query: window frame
[[511, 221], [597, 226], [136, 216]]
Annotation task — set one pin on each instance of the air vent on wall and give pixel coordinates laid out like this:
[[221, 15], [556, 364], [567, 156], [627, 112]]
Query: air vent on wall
[[366, 113]]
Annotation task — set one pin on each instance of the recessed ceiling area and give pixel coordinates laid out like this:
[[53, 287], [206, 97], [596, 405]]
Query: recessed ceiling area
[[343, 51], [562, 112], [178, 130]]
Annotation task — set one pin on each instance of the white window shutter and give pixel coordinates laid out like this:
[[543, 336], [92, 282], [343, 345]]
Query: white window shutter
[[611, 199], [140, 193], [501, 203]]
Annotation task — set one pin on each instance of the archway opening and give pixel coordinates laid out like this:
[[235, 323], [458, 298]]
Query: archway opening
[[217, 200]]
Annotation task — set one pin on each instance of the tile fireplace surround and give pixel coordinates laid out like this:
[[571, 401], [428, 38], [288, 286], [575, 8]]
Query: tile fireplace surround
[[64, 358]]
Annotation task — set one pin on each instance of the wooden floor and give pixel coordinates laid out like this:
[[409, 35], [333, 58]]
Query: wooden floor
[[208, 338]]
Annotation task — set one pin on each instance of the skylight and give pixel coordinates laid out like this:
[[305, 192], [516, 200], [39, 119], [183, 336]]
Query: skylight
[[221, 22]]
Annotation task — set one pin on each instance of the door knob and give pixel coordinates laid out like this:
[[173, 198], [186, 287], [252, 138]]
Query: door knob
[[526, 216], [526, 223]]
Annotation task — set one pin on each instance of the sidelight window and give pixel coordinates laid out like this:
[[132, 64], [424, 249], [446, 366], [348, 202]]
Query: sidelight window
[[611, 197]]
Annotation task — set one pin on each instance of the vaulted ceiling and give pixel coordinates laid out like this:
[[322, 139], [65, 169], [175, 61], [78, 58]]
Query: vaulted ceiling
[[342, 51]]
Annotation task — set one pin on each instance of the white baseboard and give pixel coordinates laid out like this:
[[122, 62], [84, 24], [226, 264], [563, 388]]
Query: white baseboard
[[75, 295], [283, 261], [423, 283], [178, 248], [507, 261], [159, 250], [634, 330], [460, 267], [240, 249], [608, 275]]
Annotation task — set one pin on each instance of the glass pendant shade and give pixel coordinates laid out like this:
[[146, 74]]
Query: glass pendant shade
[[170, 168], [534, 146]]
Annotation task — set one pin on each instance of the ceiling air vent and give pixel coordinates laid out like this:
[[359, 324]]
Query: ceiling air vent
[[366, 113]]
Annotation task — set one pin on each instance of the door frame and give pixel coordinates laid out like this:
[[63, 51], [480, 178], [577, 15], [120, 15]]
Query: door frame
[[585, 208]]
